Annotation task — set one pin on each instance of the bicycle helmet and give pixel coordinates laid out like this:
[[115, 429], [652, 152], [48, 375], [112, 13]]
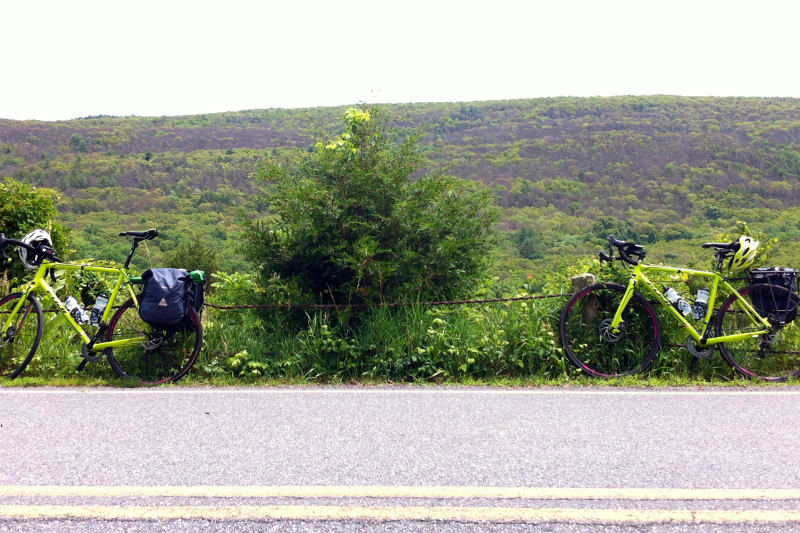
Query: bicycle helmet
[[745, 255], [36, 238]]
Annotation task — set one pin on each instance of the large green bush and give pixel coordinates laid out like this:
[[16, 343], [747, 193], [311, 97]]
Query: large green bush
[[358, 221]]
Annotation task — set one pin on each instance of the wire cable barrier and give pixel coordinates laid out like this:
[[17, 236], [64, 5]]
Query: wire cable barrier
[[386, 304]]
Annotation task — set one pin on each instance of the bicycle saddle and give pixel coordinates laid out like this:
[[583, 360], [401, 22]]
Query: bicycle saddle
[[724, 251], [722, 245], [144, 235]]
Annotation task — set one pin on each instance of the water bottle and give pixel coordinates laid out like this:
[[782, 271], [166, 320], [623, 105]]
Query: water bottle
[[701, 304], [76, 311], [676, 300], [98, 309]]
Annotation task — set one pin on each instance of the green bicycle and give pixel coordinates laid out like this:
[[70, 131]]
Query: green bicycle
[[134, 349], [611, 330]]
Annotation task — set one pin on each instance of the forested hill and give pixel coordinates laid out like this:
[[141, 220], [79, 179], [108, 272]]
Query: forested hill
[[659, 167]]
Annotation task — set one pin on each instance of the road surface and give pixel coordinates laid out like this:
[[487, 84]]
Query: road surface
[[408, 458]]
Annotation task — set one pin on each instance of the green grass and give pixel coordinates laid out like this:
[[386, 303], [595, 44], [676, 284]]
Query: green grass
[[510, 345], [506, 344], [641, 382]]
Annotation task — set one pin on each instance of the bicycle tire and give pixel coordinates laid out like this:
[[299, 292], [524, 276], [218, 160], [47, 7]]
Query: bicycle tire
[[592, 347], [769, 357], [166, 357], [19, 344]]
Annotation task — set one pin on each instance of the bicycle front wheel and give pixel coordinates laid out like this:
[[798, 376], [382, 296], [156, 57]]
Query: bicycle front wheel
[[773, 356], [160, 355], [19, 342], [590, 343]]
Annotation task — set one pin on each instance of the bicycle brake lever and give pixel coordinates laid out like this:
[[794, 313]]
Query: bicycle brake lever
[[605, 258]]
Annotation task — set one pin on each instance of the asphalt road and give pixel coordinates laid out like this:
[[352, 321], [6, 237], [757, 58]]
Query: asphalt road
[[399, 458]]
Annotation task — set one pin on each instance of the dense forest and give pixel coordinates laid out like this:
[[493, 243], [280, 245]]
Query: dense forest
[[671, 172]]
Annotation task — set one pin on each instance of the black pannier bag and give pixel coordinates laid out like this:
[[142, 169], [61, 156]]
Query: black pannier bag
[[777, 304], [163, 302]]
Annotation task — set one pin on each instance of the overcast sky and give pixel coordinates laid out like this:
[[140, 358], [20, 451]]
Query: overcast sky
[[67, 59]]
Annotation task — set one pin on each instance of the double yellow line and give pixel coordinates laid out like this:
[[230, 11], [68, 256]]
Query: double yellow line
[[459, 512]]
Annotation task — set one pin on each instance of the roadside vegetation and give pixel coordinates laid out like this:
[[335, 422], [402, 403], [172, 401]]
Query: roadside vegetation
[[386, 210]]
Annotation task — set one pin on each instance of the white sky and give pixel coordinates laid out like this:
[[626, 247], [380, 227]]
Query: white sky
[[65, 59]]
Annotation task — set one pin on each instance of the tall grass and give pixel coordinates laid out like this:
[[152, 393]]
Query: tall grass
[[59, 352], [411, 343], [462, 343]]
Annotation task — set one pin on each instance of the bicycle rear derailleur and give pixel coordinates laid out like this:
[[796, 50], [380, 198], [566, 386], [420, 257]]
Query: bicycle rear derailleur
[[154, 341]]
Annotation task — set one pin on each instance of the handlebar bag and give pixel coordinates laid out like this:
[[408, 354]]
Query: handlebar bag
[[163, 302]]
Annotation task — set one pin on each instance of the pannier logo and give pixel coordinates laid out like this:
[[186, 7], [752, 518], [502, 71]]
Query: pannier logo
[[163, 303]]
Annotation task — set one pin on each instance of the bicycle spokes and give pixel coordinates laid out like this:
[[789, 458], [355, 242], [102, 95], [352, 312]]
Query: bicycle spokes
[[595, 346]]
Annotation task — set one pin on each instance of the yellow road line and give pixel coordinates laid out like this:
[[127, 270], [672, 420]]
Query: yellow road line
[[433, 492], [465, 514]]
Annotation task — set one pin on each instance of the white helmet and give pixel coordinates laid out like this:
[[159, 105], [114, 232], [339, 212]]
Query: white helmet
[[745, 254], [36, 238]]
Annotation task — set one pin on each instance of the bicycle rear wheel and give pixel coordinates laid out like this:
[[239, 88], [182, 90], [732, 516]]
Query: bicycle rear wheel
[[772, 356], [20, 342], [591, 345], [164, 356]]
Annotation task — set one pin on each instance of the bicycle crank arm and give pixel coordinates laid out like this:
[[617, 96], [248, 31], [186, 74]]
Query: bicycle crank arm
[[87, 352]]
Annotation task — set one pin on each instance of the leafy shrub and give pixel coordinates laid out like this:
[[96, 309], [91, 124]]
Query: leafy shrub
[[24, 208], [353, 226], [193, 254]]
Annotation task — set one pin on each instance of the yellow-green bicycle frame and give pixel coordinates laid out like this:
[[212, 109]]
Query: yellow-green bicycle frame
[[39, 285], [702, 337]]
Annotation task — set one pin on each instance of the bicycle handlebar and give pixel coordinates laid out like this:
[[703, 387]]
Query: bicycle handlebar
[[626, 249], [43, 251]]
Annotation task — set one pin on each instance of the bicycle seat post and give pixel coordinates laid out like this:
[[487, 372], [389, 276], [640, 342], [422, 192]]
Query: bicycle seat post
[[135, 244]]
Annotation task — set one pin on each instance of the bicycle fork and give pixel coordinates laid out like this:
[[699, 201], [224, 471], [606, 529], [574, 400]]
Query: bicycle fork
[[616, 321]]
